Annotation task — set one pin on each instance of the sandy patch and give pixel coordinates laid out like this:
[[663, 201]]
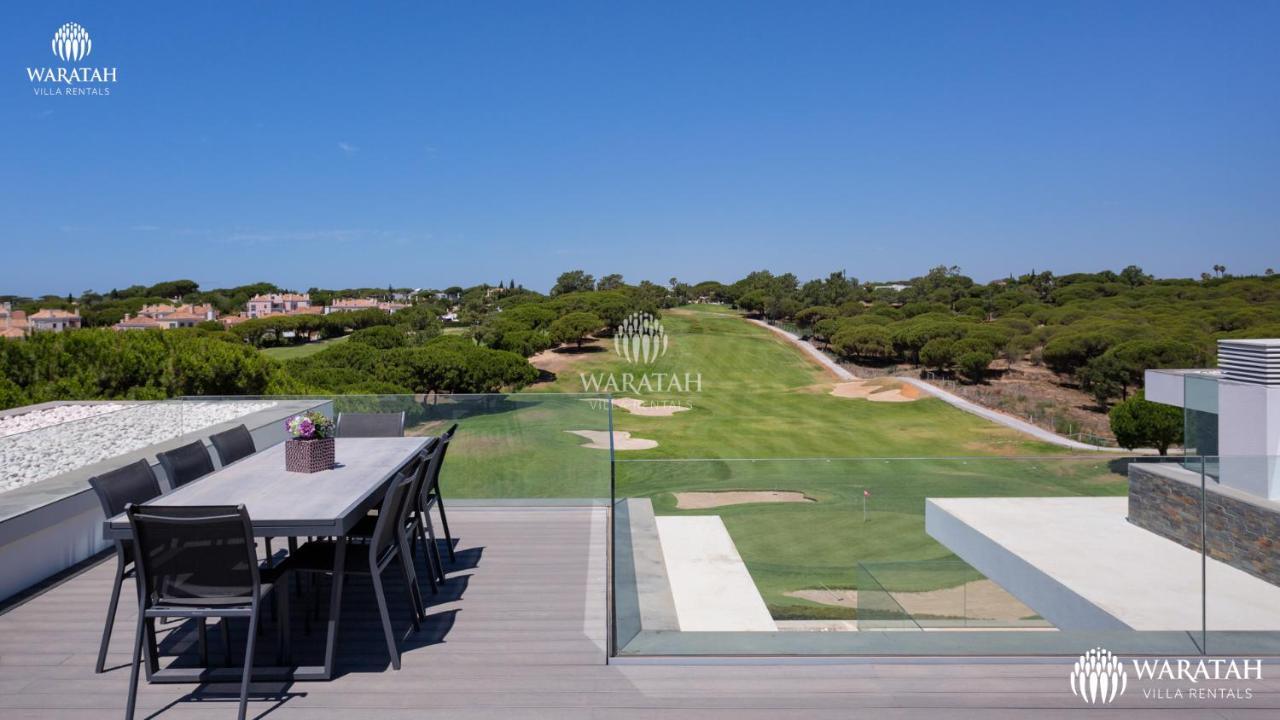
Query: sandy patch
[[878, 390], [704, 500], [977, 600], [635, 406], [558, 359], [621, 440]]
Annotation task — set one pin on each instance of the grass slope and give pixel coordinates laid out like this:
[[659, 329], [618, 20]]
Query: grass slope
[[289, 352]]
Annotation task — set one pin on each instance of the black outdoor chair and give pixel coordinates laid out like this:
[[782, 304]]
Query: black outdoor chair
[[184, 464], [233, 444], [411, 529], [370, 425], [385, 545], [199, 562], [237, 444], [136, 484], [429, 496]]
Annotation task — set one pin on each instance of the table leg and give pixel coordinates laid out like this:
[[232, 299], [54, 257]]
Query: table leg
[[335, 605]]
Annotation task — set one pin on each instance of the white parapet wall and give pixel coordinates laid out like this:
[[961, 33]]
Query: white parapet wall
[[1080, 564]]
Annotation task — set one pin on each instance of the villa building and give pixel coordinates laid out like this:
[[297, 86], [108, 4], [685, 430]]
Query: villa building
[[53, 320], [167, 317], [358, 304], [13, 323], [277, 304]]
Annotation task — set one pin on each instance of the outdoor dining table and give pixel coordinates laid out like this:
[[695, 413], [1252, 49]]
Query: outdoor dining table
[[291, 505]]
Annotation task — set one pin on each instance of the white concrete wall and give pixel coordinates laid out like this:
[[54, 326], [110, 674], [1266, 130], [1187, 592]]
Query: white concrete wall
[[1249, 437], [1164, 387]]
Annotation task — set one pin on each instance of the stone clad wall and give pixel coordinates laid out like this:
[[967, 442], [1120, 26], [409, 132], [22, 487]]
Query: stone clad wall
[[1242, 531]]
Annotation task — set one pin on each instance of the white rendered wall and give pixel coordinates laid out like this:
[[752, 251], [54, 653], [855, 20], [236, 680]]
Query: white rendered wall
[[1249, 437]]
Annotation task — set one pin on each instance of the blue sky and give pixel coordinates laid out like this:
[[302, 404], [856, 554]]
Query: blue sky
[[428, 143]]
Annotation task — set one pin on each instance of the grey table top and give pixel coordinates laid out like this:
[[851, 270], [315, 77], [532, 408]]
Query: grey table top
[[284, 504]]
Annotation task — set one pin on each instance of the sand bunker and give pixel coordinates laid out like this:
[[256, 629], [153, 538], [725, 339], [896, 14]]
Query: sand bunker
[[621, 440], [636, 406], [704, 500], [978, 600], [878, 390]]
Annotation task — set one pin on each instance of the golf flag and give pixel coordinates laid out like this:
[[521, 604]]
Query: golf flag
[[866, 493]]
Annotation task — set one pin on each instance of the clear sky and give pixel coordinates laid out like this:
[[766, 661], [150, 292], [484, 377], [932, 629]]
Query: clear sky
[[426, 144]]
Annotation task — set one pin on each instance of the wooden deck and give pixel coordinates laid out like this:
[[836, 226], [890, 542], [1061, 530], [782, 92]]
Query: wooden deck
[[521, 634]]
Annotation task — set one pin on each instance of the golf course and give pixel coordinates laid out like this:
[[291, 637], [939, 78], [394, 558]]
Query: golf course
[[810, 483]]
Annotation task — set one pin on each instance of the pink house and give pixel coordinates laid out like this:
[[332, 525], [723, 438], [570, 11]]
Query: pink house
[[277, 304]]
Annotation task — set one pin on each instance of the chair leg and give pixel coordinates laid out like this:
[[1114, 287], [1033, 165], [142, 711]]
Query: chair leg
[[285, 652], [248, 659], [202, 636], [226, 641], [444, 525], [420, 537], [135, 662], [386, 619], [411, 584], [111, 613], [434, 548]]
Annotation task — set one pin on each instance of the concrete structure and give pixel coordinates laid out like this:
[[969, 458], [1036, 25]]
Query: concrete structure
[[1232, 413], [53, 320], [710, 584], [1080, 564], [1239, 528], [277, 304]]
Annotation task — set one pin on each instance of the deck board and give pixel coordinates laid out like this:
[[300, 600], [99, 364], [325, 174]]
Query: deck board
[[520, 633]]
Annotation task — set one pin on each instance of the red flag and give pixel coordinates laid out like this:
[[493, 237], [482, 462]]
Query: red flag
[[866, 493]]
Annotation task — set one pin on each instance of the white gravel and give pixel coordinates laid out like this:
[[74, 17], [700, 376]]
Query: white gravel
[[45, 443]]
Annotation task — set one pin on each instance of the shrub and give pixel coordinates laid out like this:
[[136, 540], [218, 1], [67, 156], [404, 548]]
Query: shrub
[[1137, 422]]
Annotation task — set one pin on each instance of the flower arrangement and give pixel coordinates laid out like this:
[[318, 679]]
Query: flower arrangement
[[309, 426], [312, 447]]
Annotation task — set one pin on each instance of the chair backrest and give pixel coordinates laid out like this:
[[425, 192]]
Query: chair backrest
[[433, 473], [425, 458], [186, 463], [186, 554], [232, 445], [393, 511], [369, 425], [134, 483]]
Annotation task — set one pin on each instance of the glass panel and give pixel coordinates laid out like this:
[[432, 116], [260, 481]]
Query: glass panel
[[1200, 415], [509, 446], [1022, 555]]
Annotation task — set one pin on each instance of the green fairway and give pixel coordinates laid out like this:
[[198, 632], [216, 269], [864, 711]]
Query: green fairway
[[762, 418], [290, 352]]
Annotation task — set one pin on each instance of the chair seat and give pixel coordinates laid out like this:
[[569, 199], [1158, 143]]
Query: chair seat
[[183, 604], [318, 556]]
